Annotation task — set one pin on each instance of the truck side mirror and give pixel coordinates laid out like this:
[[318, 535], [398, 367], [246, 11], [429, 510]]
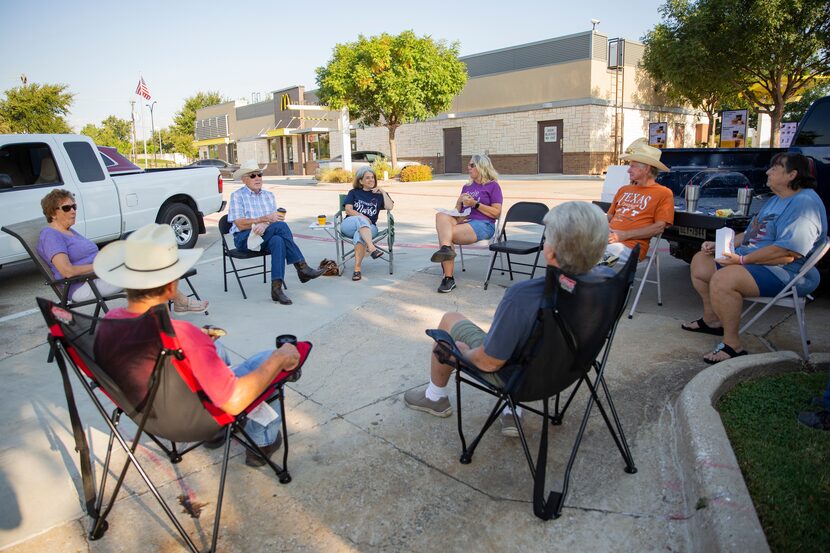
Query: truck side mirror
[[5, 181]]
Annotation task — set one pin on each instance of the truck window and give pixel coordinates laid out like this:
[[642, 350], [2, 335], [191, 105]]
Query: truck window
[[85, 161], [815, 130], [28, 164]]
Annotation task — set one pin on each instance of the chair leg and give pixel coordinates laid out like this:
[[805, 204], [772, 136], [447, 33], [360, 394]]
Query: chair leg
[[802, 327], [490, 272], [225, 270], [461, 253], [239, 280], [659, 285], [221, 495]]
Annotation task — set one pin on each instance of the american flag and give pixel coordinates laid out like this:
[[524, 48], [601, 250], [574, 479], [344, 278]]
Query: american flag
[[142, 89]]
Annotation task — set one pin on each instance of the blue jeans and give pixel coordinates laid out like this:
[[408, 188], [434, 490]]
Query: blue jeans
[[279, 242], [261, 435], [484, 229], [351, 226]]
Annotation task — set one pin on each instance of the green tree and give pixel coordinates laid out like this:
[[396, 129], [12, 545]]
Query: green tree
[[771, 49], [391, 80], [794, 111], [678, 59], [113, 132], [36, 108], [184, 121]]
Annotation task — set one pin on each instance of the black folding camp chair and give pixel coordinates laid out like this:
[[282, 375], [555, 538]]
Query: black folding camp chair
[[139, 365], [573, 334]]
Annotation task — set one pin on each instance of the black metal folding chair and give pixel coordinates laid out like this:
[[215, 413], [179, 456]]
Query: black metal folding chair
[[573, 334], [521, 212], [229, 254], [139, 365]]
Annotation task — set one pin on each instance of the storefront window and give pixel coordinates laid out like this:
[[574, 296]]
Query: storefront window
[[232, 152], [353, 135], [213, 152], [273, 154], [318, 146]]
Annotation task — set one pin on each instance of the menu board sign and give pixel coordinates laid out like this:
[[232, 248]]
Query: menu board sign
[[787, 133], [733, 129], [657, 134]]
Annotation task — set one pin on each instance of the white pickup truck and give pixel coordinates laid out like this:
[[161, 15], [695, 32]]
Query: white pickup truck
[[108, 206]]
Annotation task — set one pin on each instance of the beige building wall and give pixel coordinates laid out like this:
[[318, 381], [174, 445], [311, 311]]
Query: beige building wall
[[253, 149], [255, 126], [228, 108]]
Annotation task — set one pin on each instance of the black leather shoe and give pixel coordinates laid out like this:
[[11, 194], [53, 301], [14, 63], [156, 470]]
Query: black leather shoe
[[254, 460], [306, 273], [277, 294]]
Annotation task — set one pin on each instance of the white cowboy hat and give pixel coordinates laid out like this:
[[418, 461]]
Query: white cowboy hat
[[250, 166], [148, 258], [639, 150]]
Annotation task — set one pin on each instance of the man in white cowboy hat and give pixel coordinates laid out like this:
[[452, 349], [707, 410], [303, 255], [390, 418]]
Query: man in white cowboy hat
[[148, 265], [642, 209], [254, 210]]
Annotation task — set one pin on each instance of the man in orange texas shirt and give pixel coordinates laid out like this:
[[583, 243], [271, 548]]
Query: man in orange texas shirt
[[642, 209]]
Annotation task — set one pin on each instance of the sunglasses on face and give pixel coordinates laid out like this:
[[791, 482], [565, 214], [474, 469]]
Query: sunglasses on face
[[254, 175], [68, 208]]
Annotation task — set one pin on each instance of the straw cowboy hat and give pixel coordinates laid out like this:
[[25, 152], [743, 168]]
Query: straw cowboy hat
[[148, 258], [639, 150], [250, 166]]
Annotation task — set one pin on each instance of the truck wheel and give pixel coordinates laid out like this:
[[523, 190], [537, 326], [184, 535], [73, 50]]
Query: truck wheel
[[184, 222]]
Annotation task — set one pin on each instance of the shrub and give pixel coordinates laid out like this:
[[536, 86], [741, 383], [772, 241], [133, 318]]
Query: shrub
[[381, 165], [415, 173], [335, 175]]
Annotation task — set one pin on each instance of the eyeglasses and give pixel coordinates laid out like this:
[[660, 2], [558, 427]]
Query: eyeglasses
[[70, 207], [254, 175]]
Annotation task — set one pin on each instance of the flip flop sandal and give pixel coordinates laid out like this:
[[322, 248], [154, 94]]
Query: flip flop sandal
[[727, 350], [703, 328], [375, 254], [356, 275]]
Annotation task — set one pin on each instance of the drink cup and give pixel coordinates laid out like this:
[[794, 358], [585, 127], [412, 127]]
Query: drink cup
[[744, 200], [289, 339], [321, 220], [692, 197]]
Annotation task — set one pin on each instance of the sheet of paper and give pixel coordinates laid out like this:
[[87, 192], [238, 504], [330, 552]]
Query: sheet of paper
[[254, 241], [724, 237], [454, 212], [263, 414]]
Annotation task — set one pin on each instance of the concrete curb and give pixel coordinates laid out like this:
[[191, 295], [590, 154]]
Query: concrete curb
[[724, 518]]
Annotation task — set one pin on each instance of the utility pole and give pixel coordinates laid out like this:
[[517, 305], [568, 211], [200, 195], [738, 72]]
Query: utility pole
[[153, 132]]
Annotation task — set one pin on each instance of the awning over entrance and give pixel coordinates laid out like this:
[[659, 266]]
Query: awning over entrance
[[211, 142]]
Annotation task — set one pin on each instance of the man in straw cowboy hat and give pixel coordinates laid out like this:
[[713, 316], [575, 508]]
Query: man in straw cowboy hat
[[148, 265], [254, 211], [642, 209]]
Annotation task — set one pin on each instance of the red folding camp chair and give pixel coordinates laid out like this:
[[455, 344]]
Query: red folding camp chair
[[139, 365]]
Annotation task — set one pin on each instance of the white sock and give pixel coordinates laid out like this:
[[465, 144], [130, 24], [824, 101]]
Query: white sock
[[506, 411], [434, 393]]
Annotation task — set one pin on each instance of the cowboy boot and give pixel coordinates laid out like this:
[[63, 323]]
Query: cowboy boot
[[277, 294], [306, 273]]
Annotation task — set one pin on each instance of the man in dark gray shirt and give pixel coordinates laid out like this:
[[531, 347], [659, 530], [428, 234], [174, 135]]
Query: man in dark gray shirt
[[576, 234]]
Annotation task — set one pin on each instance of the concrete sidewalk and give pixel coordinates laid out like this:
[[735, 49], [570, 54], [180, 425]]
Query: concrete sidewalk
[[368, 473]]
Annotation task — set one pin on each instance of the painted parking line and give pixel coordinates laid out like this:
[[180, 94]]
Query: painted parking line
[[14, 316]]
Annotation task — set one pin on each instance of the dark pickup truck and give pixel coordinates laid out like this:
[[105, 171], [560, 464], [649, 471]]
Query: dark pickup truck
[[721, 171]]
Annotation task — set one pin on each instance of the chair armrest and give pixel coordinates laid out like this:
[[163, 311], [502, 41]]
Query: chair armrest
[[448, 348]]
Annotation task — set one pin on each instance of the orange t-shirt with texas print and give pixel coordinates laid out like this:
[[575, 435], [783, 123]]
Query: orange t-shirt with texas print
[[637, 206]]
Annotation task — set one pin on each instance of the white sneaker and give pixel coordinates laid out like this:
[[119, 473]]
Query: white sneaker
[[192, 305], [508, 425]]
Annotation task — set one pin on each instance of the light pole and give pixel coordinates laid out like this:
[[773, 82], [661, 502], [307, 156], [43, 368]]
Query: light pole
[[153, 131]]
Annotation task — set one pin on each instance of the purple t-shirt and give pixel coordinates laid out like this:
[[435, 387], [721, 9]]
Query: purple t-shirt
[[78, 249], [488, 194]]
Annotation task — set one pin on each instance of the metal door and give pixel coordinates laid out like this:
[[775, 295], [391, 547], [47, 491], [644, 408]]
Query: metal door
[[550, 146], [452, 150]]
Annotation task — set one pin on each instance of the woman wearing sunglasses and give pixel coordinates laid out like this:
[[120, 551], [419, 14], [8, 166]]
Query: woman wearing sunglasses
[[69, 254], [483, 197]]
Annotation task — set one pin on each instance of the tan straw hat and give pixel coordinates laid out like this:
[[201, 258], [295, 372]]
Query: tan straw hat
[[250, 166], [639, 150], [148, 258]]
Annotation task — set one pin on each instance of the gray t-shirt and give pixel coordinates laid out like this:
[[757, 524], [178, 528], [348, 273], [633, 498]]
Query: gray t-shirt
[[516, 314]]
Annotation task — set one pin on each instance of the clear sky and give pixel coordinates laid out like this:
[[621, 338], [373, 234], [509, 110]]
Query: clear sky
[[100, 49]]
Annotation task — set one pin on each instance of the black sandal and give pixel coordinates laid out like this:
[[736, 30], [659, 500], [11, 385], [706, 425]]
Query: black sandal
[[703, 328], [375, 254], [356, 275], [728, 350]]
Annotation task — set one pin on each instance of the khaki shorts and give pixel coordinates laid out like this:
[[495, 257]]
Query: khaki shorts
[[471, 334]]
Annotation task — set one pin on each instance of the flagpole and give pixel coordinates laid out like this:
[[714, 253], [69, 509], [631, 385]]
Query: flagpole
[[132, 127]]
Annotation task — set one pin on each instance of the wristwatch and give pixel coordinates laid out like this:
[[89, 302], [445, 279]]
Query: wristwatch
[[477, 204]]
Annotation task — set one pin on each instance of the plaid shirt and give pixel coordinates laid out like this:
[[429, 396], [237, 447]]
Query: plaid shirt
[[246, 204]]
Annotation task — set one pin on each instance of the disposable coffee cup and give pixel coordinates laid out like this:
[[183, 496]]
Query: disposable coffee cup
[[744, 200], [692, 197], [286, 339], [321, 220]]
